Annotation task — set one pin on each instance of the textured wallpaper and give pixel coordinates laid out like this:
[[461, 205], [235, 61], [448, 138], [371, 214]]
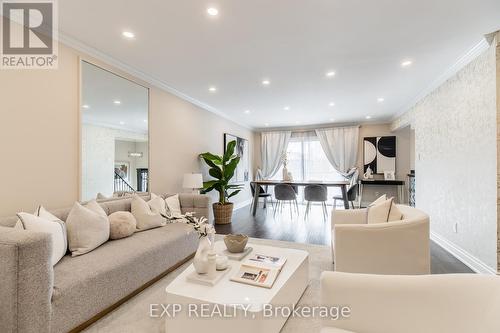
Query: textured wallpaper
[[456, 158]]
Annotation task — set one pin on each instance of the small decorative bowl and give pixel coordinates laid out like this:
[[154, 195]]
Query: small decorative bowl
[[236, 243]]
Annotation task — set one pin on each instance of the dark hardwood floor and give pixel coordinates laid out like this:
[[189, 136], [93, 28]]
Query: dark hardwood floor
[[313, 230]]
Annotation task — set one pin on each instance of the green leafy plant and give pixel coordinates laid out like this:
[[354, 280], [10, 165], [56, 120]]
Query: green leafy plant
[[222, 168]]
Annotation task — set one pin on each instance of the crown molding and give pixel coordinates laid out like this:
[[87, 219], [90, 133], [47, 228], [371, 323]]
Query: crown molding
[[460, 63], [84, 48]]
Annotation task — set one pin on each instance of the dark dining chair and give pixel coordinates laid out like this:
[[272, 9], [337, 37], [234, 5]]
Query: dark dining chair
[[262, 194], [352, 191], [285, 193], [316, 193]]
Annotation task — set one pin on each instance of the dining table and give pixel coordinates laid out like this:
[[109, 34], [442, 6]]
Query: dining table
[[342, 184]]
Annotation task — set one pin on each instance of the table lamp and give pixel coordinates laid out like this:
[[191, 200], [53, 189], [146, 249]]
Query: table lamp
[[193, 181]]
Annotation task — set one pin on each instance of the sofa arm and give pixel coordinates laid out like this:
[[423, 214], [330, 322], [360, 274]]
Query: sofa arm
[[383, 248], [197, 203], [27, 281], [414, 304], [349, 216]]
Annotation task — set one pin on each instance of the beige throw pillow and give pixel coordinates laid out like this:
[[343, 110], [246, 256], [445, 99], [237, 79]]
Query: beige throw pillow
[[147, 217], [157, 204], [122, 224], [380, 199], [173, 206], [88, 228], [379, 213], [395, 213], [43, 221]]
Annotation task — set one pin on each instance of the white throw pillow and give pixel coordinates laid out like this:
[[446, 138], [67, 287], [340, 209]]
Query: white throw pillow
[[395, 213], [18, 225], [157, 204], [380, 199], [43, 221], [88, 228], [174, 206], [145, 216], [379, 213]]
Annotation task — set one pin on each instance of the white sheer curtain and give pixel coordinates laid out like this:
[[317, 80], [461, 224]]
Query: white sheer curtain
[[340, 145], [273, 146]]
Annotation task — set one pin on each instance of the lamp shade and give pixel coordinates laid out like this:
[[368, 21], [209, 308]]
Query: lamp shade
[[192, 180]]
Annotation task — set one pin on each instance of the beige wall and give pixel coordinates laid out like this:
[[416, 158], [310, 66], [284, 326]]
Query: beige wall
[[39, 137], [456, 161]]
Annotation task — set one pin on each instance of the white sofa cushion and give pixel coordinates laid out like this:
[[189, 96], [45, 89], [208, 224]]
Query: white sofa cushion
[[379, 213], [173, 206], [43, 221], [88, 228], [148, 214]]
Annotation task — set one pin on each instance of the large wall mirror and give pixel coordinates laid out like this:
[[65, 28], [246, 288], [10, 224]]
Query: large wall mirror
[[114, 135]]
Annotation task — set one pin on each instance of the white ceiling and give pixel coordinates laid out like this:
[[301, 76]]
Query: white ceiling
[[293, 43], [100, 90]]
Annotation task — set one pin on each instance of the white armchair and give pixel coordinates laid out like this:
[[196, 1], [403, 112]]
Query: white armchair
[[451, 303], [401, 247]]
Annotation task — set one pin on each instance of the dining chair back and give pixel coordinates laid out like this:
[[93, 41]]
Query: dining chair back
[[316, 193], [285, 193]]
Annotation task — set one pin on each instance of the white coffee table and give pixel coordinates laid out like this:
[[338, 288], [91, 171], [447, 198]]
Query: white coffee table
[[238, 307]]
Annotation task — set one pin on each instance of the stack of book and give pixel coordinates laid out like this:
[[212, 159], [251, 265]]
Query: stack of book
[[260, 270]]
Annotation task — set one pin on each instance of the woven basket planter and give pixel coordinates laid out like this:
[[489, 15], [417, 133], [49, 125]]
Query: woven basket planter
[[223, 213]]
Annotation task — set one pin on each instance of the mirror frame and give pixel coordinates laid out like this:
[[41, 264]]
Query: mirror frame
[[123, 75]]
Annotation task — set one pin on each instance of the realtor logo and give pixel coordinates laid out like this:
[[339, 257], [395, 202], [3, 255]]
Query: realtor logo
[[29, 31]]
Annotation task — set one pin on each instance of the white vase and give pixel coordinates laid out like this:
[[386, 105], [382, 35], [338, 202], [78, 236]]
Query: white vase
[[285, 173], [200, 260]]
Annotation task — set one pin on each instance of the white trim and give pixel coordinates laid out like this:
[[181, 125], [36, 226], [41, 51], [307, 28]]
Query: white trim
[[82, 47], [242, 204], [468, 259], [461, 62]]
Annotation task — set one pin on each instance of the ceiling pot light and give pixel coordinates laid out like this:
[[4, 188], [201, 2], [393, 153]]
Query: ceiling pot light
[[128, 34], [286, 108], [85, 106], [135, 154], [212, 89], [266, 82], [380, 99], [266, 124], [145, 120], [406, 63], [332, 119], [330, 74], [122, 123], [212, 11], [117, 102], [247, 111], [368, 117], [331, 104]]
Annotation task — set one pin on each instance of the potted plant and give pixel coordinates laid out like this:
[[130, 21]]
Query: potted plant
[[222, 169]]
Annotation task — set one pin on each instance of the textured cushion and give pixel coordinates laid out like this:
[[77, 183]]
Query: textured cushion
[[88, 228], [146, 216], [121, 224], [43, 221], [379, 213], [173, 205], [114, 270], [19, 225]]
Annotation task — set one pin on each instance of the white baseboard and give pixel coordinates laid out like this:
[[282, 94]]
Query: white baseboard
[[242, 204], [468, 259]]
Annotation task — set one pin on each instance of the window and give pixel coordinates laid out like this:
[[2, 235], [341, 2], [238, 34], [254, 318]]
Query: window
[[307, 161]]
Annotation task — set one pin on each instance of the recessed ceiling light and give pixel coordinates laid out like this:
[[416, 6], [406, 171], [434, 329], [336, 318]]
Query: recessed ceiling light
[[406, 63], [128, 34], [247, 111], [212, 11], [122, 123], [117, 102], [380, 99], [85, 106], [145, 120], [266, 124], [368, 117], [286, 108], [330, 74], [212, 89], [266, 82], [332, 119], [331, 104]]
